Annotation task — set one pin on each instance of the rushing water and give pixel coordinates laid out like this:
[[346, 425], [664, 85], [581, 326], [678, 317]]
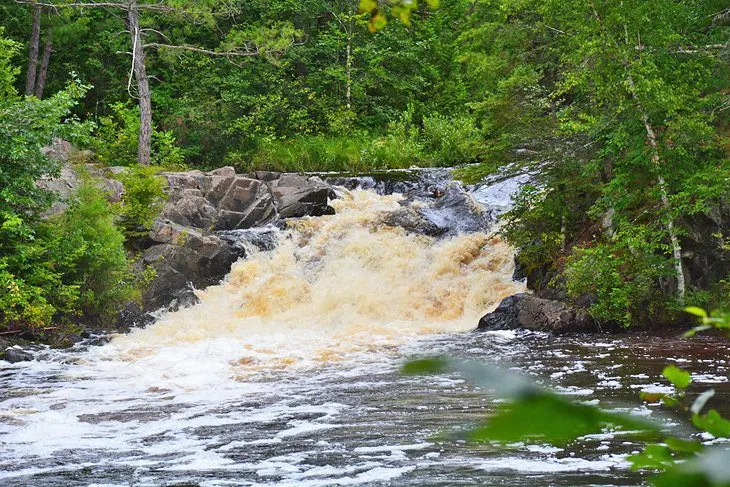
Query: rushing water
[[287, 374]]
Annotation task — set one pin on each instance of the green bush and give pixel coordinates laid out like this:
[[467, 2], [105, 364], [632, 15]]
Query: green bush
[[117, 135], [451, 140], [93, 248], [143, 199], [622, 281]]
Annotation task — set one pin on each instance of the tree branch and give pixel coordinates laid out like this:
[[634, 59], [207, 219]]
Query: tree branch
[[186, 47]]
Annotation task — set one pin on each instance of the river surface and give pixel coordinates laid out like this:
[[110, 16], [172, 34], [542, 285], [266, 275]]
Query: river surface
[[287, 374]]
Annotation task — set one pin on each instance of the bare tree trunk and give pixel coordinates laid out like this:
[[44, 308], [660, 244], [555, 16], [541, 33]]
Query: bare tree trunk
[[35, 38], [45, 59], [144, 148]]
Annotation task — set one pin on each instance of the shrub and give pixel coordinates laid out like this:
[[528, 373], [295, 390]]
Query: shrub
[[622, 281], [143, 199], [451, 140], [93, 249]]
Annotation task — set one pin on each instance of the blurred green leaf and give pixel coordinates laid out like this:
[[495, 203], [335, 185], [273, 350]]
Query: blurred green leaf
[[713, 423], [679, 378], [694, 310], [552, 419]]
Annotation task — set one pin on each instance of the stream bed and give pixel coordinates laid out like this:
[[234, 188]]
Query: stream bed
[[67, 422]]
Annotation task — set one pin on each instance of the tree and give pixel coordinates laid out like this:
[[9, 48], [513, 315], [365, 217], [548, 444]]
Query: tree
[[170, 10]]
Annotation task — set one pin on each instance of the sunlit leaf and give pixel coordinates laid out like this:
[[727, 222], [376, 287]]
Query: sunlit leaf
[[694, 310], [652, 396], [368, 5], [701, 401], [679, 378]]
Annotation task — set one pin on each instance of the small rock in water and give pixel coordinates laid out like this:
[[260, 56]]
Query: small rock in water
[[17, 354]]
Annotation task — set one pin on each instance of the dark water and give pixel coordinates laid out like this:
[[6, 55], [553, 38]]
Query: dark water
[[78, 419]]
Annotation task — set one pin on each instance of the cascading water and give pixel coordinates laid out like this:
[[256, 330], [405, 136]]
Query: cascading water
[[286, 372]]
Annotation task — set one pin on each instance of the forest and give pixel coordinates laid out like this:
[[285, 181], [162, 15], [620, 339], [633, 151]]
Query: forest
[[621, 108]]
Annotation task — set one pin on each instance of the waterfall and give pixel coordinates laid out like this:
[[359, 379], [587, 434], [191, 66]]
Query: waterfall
[[332, 287]]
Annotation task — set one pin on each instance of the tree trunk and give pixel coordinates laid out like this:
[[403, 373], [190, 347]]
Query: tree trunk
[[35, 38], [656, 160], [144, 148], [41, 81], [348, 71]]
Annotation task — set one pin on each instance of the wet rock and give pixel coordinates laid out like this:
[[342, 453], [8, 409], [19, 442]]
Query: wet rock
[[533, 313], [16, 354], [187, 259], [297, 196], [455, 211], [413, 222]]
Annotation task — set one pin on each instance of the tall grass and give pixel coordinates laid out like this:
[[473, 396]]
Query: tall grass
[[438, 141]]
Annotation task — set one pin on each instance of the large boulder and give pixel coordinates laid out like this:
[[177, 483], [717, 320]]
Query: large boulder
[[185, 259], [533, 313], [298, 196]]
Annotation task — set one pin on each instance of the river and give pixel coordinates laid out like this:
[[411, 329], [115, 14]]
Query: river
[[287, 374]]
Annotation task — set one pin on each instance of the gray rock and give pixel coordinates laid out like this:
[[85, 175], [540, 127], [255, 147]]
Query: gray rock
[[297, 196], [16, 354], [193, 260], [533, 313]]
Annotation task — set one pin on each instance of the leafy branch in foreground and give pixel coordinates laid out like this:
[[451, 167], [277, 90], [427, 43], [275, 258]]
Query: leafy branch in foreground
[[534, 414]]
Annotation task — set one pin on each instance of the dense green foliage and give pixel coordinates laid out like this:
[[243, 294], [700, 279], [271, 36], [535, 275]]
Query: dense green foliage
[[58, 268], [621, 112]]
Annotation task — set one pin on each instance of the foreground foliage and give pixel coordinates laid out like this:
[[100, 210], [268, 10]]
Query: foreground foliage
[[535, 415]]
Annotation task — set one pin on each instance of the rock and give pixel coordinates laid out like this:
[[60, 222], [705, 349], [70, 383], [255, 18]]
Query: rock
[[413, 222], [533, 313], [16, 354], [455, 211], [189, 259], [247, 203], [60, 150], [190, 209], [68, 182]]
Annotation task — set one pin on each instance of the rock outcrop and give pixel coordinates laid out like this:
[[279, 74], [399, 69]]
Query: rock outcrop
[[193, 241], [533, 313]]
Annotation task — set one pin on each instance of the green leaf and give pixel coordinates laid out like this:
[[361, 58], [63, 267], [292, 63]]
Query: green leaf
[[433, 3], [713, 423], [679, 378], [435, 365], [684, 446], [368, 5], [694, 310], [656, 457], [551, 419]]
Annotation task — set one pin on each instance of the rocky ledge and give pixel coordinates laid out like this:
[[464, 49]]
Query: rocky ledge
[[188, 247], [530, 312]]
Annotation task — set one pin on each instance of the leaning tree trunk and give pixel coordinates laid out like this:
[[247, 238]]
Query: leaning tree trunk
[[35, 38], [43, 73], [144, 148]]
